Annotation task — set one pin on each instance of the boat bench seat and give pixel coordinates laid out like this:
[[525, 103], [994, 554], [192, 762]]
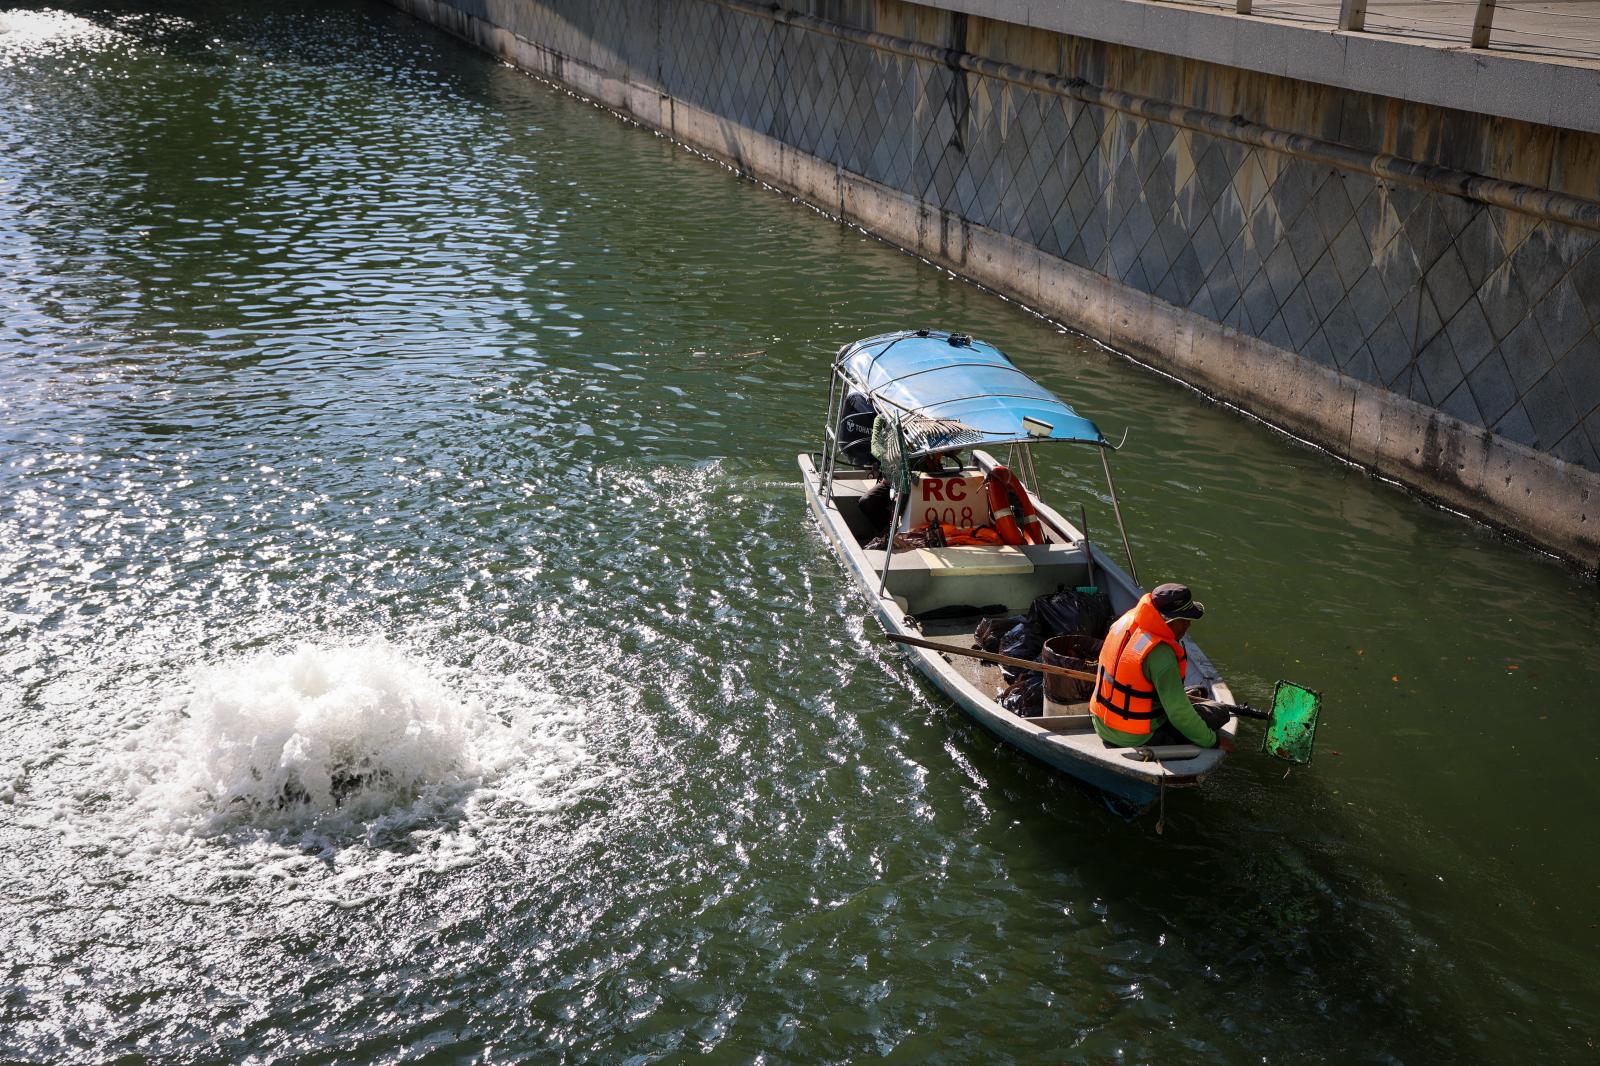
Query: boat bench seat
[[933, 578], [973, 561]]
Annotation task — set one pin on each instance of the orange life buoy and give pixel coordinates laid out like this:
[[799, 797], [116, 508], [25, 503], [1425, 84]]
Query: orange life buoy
[[1007, 497]]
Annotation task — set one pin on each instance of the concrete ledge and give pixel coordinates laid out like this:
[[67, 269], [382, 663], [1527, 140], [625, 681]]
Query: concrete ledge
[[1553, 92], [1532, 494]]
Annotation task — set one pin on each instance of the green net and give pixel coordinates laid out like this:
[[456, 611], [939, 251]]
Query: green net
[[1293, 728], [898, 435], [889, 448]]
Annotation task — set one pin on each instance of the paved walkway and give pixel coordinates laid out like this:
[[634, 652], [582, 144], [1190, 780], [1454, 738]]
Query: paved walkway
[[1557, 28]]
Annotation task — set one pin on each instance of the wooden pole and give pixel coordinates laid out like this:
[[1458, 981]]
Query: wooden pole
[[992, 657], [1116, 509], [1242, 710], [1353, 15], [1483, 24]]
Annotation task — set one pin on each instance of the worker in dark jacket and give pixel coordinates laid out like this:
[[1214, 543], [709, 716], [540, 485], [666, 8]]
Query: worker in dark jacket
[[1139, 697]]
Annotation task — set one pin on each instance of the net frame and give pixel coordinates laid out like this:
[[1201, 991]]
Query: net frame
[[1292, 731]]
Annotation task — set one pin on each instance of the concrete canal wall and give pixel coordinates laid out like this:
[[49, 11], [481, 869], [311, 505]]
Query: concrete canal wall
[[1414, 285]]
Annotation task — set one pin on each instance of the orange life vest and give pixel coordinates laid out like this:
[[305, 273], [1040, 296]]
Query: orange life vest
[[1124, 699], [963, 536]]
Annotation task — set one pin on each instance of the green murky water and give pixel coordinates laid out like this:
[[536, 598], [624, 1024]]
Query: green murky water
[[413, 643]]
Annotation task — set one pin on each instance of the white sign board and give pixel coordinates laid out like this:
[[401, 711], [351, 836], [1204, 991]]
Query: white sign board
[[953, 499]]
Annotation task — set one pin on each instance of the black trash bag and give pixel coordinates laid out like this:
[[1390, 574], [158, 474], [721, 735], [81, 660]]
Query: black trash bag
[[1057, 614], [1070, 612], [958, 610], [1022, 641], [1094, 614], [992, 631], [1025, 696]]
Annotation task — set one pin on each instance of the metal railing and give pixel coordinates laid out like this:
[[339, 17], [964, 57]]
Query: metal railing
[[1567, 28]]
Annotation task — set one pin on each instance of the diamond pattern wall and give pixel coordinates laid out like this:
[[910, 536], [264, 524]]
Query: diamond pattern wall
[[1488, 315]]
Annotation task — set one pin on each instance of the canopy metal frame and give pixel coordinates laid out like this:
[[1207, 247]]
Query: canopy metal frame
[[947, 364], [842, 383]]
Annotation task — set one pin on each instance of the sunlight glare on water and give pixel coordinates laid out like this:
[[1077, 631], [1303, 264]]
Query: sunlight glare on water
[[413, 641], [24, 32]]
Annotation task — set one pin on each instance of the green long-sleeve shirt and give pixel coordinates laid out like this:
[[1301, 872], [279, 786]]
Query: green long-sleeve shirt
[[1161, 667]]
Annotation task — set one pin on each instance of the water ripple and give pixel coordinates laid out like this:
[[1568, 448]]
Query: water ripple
[[412, 640]]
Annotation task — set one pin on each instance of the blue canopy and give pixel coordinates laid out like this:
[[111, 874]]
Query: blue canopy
[[937, 375]]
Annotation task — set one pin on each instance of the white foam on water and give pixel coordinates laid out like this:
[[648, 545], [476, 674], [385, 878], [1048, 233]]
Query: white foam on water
[[346, 735], [330, 769]]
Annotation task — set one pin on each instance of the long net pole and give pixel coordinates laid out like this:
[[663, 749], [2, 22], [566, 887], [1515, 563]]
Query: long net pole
[[1116, 509]]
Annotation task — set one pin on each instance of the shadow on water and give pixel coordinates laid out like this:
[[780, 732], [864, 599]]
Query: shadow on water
[[1264, 932]]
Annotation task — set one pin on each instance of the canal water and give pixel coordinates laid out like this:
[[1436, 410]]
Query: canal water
[[414, 644]]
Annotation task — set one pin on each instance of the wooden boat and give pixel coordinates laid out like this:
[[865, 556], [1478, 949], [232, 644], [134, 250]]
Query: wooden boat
[[937, 394]]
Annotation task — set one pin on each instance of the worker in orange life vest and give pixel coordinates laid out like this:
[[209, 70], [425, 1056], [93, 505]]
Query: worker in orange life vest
[[1139, 697]]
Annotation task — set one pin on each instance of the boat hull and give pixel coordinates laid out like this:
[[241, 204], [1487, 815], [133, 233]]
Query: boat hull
[[1134, 785]]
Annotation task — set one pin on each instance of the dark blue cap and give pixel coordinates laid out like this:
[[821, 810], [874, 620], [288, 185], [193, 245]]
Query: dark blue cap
[[1176, 601]]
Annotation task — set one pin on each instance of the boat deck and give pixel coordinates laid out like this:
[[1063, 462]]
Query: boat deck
[[988, 678], [985, 677]]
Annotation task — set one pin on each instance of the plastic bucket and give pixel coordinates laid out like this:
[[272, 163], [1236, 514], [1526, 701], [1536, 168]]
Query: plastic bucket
[[1075, 652]]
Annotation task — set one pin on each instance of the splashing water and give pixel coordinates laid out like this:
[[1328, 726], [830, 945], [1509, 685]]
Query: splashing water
[[347, 738], [319, 767]]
